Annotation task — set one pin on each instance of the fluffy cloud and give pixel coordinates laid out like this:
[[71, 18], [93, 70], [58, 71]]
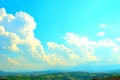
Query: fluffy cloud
[[20, 50], [106, 43], [79, 50], [17, 37], [9, 40], [81, 46], [100, 33]]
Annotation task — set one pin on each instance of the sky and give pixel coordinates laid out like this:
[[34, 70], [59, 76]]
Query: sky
[[59, 35]]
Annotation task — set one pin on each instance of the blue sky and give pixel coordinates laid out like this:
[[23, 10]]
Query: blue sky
[[61, 34]]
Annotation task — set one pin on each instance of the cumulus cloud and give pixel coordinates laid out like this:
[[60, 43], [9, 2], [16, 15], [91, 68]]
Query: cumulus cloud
[[78, 50], [20, 49], [17, 36], [81, 46], [106, 43]]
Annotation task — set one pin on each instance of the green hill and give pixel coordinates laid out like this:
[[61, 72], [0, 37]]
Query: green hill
[[62, 76]]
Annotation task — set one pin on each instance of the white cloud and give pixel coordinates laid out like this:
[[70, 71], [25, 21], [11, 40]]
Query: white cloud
[[56, 46], [106, 43], [102, 25], [100, 33], [118, 39], [72, 38], [7, 63], [17, 38], [79, 50], [9, 40], [13, 61], [81, 46], [18, 30]]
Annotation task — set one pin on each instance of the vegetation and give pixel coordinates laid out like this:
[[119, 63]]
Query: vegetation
[[62, 76]]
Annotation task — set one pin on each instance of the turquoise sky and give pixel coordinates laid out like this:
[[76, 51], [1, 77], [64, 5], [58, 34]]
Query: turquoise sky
[[56, 17], [61, 34]]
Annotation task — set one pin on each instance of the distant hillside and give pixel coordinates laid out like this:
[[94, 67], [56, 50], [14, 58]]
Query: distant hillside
[[1, 72], [115, 71], [78, 75]]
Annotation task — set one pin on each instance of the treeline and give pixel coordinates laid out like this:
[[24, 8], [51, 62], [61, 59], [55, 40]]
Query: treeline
[[64, 76]]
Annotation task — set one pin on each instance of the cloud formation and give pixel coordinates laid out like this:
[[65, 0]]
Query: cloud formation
[[100, 33], [21, 50], [17, 36]]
